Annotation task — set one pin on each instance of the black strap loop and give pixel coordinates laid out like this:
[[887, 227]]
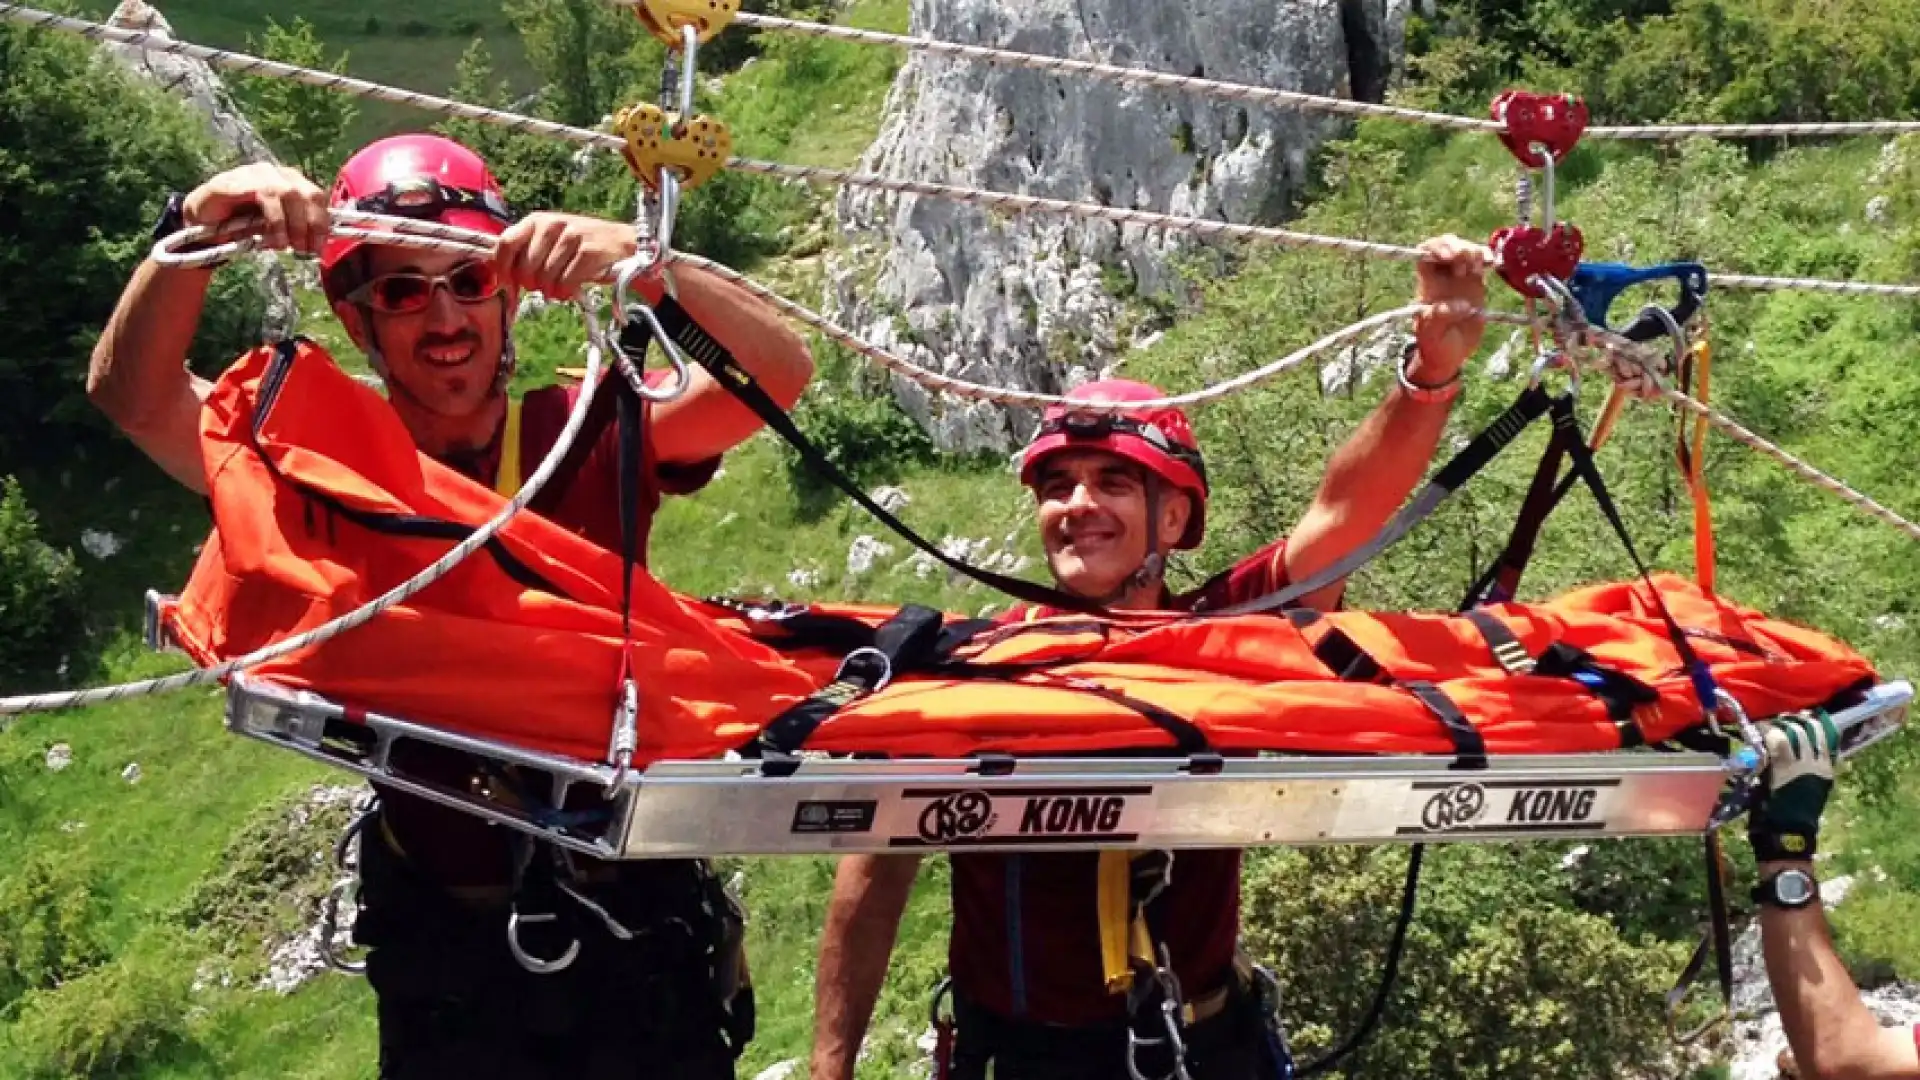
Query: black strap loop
[[908, 641]]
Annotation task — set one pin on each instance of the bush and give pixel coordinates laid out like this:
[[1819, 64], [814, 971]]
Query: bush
[[113, 1017], [87, 155], [863, 432], [1502, 977], [40, 609], [50, 915]]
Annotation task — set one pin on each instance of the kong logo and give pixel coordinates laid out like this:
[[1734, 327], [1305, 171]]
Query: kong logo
[[1552, 806], [1454, 808], [1072, 814], [956, 817]]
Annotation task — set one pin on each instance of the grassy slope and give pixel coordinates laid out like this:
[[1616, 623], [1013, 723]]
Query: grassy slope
[[415, 46]]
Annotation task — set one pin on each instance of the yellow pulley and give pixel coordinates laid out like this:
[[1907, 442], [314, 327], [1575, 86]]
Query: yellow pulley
[[665, 18], [695, 149]]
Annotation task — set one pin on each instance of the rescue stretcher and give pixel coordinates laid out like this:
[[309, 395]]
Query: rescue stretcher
[[837, 805]]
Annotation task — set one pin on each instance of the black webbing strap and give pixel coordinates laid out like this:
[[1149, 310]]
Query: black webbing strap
[[1469, 748], [1583, 464], [906, 642], [711, 355], [1501, 580], [633, 340], [1464, 466], [1507, 650], [1717, 942], [1337, 651]]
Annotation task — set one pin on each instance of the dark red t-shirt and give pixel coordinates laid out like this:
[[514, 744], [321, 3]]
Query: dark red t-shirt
[[452, 847], [1026, 928]]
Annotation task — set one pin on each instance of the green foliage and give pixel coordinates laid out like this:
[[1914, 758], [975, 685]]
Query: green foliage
[[1501, 977], [305, 125], [105, 1022], [860, 429], [86, 157], [1646, 61], [50, 926], [39, 596], [267, 881]]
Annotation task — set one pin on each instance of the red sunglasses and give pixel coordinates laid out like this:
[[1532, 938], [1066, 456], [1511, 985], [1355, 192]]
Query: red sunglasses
[[407, 292]]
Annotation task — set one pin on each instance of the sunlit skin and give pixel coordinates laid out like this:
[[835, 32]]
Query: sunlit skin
[[442, 360], [1093, 522]]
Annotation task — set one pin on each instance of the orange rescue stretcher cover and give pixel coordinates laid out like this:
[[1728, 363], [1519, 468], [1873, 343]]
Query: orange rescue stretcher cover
[[321, 503]]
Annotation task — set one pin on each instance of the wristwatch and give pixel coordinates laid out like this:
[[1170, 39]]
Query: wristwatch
[[1788, 889]]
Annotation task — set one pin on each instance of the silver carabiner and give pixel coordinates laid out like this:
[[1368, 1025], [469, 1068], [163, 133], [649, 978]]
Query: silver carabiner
[[625, 308], [528, 960], [1749, 731], [344, 889], [1546, 156]]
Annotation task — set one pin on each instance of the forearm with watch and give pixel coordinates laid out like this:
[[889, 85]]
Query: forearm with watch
[[1830, 1029]]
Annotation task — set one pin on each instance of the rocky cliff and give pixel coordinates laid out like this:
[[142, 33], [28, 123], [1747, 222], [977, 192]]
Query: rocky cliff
[[1035, 301], [196, 84]]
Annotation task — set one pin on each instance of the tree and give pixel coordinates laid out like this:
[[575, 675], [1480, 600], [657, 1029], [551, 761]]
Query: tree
[[305, 125], [534, 171], [87, 156]]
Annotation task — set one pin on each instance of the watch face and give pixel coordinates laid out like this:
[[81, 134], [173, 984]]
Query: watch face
[[1794, 887]]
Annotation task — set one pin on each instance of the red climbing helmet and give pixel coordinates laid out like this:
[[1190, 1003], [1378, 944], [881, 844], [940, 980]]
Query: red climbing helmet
[[1158, 440], [416, 176]]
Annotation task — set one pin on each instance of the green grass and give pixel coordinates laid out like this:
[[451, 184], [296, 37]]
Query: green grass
[[415, 46]]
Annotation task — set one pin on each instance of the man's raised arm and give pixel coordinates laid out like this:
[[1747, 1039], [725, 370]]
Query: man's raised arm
[[1373, 473]]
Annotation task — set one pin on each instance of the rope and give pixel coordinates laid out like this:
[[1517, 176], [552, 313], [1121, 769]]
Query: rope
[[1752, 131], [1852, 288], [361, 616], [433, 236], [245, 64], [1213, 88], [1620, 349], [1830, 484]]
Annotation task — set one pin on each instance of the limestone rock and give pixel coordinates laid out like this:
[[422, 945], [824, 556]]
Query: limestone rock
[[195, 83], [1030, 301], [189, 79]]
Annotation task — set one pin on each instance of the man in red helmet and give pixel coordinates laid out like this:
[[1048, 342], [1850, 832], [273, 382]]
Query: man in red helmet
[[1115, 493], [436, 885]]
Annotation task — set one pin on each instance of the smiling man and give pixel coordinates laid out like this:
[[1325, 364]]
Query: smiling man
[[1116, 493], [435, 884]]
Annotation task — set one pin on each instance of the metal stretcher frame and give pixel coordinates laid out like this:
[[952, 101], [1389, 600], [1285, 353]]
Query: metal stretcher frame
[[838, 805]]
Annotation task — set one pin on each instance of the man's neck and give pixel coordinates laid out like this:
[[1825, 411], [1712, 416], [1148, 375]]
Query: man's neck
[[443, 437]]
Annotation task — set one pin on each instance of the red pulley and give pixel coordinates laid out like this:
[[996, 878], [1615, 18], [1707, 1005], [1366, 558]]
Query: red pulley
[[1526, 250], [1553, 121]]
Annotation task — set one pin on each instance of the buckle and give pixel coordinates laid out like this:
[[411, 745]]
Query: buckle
[[1513, 657], [866, 666]]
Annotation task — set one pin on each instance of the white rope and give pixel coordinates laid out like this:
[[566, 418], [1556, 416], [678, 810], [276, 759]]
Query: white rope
[[1752, 131], [1619, 351], [941, 383], [1213, 88], [1850, 288], [1830, 484], [361, 616], [1005, 201], [1260, 95]]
